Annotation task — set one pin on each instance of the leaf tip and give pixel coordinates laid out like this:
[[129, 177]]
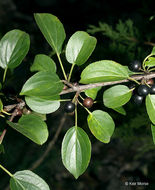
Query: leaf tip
[[76, 176]]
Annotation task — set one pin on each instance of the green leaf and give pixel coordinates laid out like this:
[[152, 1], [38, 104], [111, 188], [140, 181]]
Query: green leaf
[[79, 47], [42, 106], [104, 71], [150, 62], [13, 48], [42, 116], [150, 107], [101, 125], [120, 110], [153, 51], [1, 105], [92, 93], [2, 151], [76, 151], [116, 96], [130, 73], [43, 63], [0, 86], [153, 132], [52, 29], [27, 180], [45, 85], [33, 127]]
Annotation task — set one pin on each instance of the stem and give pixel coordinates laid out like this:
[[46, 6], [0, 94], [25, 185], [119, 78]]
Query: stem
[[84, 107], [5, 112], [153, 69], [1, 115], [81, 97], [2, 136], [67, 83], [63, 100], [75, 97], [147, 84], [4, 169], [62, 68], [76, 116], [145, 60], [134, 80], [70, 74], [4, 75]]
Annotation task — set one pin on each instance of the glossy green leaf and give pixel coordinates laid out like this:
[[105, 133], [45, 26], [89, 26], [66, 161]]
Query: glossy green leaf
[[101, 125], [150, 62], [76, 151], [116, 96], [104, 71], [41, 105], [79, 47], [27, 180], [153, 132], [33, 127], [13, 48], [92, 93], [52, 29], [150, 107], [45, 85], [43, 63], [120, 110]]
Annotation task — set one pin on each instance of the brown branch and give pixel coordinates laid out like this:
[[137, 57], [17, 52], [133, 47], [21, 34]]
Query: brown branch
[[49, 146], [145, 42], [149, 43], [8, 108], [81, 88], [19, 105]]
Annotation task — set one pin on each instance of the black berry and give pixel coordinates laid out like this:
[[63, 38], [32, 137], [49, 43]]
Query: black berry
[[88, 102], [69, 107], [143, 90], [152, 90], [138, 99], [135, 66]]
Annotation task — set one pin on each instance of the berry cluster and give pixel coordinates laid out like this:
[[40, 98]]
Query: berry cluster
[[70, 106], [143, 89]]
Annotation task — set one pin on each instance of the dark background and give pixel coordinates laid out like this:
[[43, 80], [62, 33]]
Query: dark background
[[130, 155]]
